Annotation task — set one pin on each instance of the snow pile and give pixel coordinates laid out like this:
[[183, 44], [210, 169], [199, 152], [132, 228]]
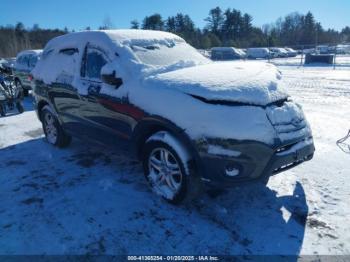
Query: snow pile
[[246, 82]]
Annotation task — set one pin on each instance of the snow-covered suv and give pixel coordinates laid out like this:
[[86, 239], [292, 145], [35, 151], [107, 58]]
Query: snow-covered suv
[[190, 120]]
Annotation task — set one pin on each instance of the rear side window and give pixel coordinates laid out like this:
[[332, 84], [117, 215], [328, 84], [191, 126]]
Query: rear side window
[[95, 60], [23, 60], [69, 51], [22, 63], [47, 53], [32, 61]]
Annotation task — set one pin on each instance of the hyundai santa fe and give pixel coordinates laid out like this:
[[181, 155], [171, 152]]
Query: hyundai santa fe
[[191, 121]]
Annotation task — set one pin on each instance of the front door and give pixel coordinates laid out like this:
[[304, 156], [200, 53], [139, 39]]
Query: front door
[[104, 123]]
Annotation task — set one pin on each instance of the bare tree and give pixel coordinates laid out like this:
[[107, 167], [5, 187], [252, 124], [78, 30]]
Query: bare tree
[[107, 23]]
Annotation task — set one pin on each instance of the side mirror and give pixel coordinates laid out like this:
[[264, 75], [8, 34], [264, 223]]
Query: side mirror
[[112, 80]]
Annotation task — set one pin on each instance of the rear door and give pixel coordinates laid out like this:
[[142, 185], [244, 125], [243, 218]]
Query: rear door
[[22, 69], [63, 92]]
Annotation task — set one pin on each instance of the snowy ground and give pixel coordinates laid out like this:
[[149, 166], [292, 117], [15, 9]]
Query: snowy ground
[[86, 199]]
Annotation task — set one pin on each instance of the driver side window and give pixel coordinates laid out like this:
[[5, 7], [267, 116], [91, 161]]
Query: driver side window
[[95, 60]]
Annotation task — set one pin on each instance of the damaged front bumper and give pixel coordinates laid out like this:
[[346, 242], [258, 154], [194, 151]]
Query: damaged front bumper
[[248, 160]]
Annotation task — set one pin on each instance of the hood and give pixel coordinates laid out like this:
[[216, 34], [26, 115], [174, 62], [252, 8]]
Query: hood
[[254, 83]]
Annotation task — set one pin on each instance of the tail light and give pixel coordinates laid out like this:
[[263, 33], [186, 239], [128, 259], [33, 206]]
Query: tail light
[[30, 77]]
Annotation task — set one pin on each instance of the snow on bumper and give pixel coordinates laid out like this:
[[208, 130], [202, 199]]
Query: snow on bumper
[[255, 160]]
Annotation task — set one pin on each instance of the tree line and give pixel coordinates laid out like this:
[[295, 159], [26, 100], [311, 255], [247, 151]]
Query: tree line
[[228, 27], [231, 27], [14, 39]]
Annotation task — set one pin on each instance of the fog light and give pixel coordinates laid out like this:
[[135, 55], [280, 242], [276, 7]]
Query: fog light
[[231, 171]]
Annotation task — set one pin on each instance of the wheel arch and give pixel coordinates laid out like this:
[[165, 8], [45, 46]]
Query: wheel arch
[[149, 126], [40, 106]]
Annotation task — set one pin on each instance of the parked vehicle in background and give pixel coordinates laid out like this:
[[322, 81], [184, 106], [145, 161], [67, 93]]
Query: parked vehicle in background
[[255, 53], [191, 121], [204, 52], [307, 51], [343, 49], [11, 62], [322, 49], [291, 52], [226, 53], [280, 52], [7, 63], [25, 63]]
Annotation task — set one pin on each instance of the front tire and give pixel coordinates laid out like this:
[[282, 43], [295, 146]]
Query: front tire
[[54, 132], [166, 168]]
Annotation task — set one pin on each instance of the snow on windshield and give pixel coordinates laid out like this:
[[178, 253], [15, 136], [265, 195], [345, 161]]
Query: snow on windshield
[[162, 54]]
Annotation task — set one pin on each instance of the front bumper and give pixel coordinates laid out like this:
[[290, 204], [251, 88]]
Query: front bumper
[[256, 161]]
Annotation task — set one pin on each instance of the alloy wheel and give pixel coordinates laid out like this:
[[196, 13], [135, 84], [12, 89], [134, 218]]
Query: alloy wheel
[[50, 128], [165, 173]]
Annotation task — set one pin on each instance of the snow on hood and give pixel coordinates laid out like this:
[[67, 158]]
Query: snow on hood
[[254, 83]]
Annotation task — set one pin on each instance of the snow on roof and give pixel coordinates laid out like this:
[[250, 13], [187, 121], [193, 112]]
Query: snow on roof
[[134, 36], [222, 48], [112, 42], [119, 37]]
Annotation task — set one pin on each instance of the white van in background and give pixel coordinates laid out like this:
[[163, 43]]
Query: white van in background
[[280, 52], [227, 53], [255, 53]]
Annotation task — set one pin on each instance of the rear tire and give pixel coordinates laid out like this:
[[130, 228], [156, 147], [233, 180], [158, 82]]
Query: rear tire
[[19, 87], [53, 130], [25, 92], [167, 168], [2, 110], [20, 107]]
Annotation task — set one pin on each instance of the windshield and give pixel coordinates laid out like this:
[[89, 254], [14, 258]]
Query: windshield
[[163, 55]]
